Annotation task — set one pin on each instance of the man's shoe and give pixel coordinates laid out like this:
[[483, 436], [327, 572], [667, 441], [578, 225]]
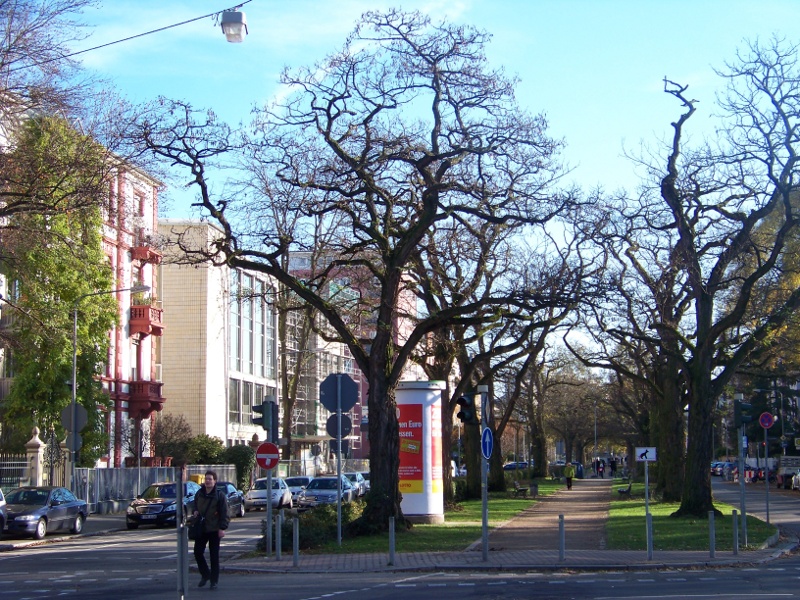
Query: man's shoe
[[213, 586], [203, 582]]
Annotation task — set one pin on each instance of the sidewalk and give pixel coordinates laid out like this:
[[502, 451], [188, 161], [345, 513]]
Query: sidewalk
[[530, 541]]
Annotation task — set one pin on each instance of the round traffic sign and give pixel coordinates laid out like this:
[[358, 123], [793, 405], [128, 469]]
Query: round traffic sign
[[332, 425], [267, 455], [766, 420]]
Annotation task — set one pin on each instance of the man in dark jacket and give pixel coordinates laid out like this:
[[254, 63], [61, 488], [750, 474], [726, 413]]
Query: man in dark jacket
[[212, 504]]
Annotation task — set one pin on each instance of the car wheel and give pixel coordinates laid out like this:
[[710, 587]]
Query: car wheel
[[77, 527], [241, 510], [132, 525], [41, 530]]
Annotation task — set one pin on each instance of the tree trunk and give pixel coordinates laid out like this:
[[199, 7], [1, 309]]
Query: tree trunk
[[669, 435]]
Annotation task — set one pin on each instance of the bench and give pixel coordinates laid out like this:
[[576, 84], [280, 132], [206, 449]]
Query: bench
[[626, 491], [520, 491]]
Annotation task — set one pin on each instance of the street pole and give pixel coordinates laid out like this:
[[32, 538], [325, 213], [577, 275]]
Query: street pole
[[483, 390], [594, 457]]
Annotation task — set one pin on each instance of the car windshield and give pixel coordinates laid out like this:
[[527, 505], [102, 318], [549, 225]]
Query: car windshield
[[296, 481], [159, 491], [261, 484], [322, 484], [352, 476], [28, 497]]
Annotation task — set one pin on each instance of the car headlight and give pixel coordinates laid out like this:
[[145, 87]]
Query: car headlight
[[131, 510], [27, 518], [170, 508]]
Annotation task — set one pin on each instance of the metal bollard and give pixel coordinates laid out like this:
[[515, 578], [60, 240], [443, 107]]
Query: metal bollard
[[296, 541], [391, 541], [712, 535], [278, 527], [561, 538], [735, 532]]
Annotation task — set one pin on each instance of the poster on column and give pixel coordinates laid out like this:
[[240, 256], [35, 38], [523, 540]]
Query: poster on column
[[437, 476], [410, 472]]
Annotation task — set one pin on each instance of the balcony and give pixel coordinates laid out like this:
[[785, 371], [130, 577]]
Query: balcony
[[145, 398], [146, 254], [146, 319]]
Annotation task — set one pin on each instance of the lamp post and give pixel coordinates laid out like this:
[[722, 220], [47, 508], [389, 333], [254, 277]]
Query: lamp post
[[595, 435], [74, 446]]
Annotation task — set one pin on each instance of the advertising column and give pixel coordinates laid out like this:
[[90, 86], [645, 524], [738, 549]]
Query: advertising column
[[419, 405]]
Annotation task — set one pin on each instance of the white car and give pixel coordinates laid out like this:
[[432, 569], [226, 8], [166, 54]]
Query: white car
[[256, 497], [297, 484]]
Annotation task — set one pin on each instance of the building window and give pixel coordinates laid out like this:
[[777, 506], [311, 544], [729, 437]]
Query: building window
[[233, 401], [235, 355], [247, 401]]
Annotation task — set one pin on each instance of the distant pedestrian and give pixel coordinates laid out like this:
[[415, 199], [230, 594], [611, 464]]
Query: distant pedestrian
[[212, 504], [601, 467], [569, 473], [612, 467]]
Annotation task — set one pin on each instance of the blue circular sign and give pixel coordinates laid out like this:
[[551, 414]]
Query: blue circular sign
[[487, 442]]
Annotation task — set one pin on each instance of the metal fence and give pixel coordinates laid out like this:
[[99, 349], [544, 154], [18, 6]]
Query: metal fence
[[111, 490], [13, 470]]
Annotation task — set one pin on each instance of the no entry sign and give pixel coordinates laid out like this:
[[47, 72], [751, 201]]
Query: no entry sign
[[267, 456]]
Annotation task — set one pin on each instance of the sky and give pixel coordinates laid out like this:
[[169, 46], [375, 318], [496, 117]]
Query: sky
[[595, 68]]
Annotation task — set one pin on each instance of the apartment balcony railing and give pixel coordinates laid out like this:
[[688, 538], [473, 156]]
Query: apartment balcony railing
[[146, 319], [146, 254], [145, 398]]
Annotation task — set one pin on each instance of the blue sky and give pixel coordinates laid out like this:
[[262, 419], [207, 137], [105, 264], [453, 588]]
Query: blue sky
[[594, 67]]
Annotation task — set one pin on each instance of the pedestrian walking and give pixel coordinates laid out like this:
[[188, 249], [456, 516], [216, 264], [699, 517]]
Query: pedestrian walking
[[569, 473], [612, 467], [601, 467], [212, 505]]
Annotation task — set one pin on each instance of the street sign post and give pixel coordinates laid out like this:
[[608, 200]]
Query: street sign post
[[267, 456]]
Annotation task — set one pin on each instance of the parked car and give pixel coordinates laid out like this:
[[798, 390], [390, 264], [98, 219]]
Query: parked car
[[235, 498], [3, 515], [256, 497], [358, 483], [514, 466], [158, 504], [796, 480], [297, 484], [324, 490], [365, 475], [37, 511]]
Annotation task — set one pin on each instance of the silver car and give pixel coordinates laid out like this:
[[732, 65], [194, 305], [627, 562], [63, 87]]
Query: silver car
[[256, 497], [358, 482], [324, 490]]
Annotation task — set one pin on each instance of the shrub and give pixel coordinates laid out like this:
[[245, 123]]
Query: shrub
[[244, 459]]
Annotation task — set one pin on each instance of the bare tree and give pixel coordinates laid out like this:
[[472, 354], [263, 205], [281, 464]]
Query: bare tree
[[694, 244], [403, 129]]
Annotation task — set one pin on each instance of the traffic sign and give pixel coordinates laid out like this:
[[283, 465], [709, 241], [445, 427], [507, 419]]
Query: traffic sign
[[267, 456], [645, 454], [332, 425], [82, 417], [329, 392], [766, 420], [487, 442]]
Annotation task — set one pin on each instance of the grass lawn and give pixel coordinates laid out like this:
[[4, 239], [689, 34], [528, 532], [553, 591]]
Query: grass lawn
[[626, 528]]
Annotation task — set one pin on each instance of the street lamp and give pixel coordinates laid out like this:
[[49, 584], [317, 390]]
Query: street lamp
[[74, 446]]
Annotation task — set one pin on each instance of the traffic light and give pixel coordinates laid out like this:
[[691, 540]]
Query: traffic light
[[468, 413], [739, 416], [259, 409]]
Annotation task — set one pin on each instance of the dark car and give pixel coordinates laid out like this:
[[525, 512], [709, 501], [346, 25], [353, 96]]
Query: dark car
[[158, 504], [324, 490], [516, 466], [36, 511], [235, 498]]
